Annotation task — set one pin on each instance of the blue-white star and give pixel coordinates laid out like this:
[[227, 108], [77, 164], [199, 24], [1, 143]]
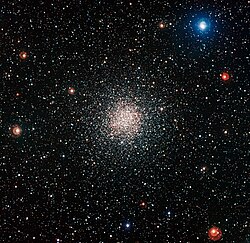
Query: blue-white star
[[203, 25]]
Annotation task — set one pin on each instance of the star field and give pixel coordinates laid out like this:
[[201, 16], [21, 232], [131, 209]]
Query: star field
[[124, 121]]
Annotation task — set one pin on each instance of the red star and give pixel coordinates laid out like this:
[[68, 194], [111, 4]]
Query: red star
[[225, 76], [143, 204], [23, 55], [214, 233], [162, 25], [16, 131], [71, 90]]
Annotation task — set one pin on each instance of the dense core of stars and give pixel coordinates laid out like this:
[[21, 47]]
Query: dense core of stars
[[124, 121]]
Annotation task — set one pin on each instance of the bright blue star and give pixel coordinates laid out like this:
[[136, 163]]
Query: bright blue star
[[127, 225], [203, 25]]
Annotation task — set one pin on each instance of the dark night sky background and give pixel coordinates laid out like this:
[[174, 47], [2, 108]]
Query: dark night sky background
[[66, 179]]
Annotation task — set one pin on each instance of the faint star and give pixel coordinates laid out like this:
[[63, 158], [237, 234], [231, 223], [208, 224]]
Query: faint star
[[71, 90]]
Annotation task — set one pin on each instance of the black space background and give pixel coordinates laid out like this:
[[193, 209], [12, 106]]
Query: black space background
[[64, 179]]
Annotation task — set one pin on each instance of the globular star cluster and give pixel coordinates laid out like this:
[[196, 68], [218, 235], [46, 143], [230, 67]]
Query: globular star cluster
[[124, 121]]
